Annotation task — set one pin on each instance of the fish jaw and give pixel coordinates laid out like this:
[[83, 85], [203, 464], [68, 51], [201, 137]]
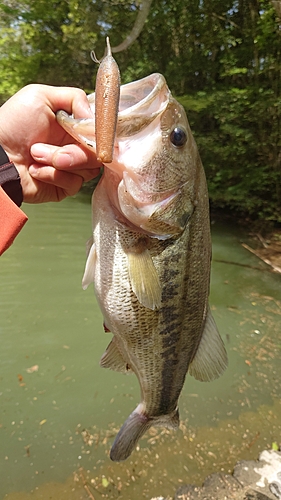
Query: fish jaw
[[83, 129]]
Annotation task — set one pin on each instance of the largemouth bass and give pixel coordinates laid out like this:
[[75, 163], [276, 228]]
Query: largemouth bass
[[151, 253]]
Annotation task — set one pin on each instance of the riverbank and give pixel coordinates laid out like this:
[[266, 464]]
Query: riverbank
[[251, 480], [264, 236], [267, 249]]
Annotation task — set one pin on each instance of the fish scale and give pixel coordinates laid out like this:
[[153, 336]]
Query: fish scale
[[151, 255]]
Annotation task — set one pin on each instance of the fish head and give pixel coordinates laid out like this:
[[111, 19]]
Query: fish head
[[153, 177], [157, 162]]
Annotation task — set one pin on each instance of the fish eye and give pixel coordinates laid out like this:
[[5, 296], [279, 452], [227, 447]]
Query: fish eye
[[178, 137]]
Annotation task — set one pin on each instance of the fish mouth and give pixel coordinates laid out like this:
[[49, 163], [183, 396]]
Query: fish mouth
[[140, 103]]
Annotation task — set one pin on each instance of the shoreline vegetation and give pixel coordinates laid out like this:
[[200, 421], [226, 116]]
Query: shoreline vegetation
[[221, 60]]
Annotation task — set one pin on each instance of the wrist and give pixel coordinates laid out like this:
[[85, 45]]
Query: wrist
[[10, 178]]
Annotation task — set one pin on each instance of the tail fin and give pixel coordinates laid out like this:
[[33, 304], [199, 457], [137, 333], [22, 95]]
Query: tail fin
[[134, 428], [131, 431]]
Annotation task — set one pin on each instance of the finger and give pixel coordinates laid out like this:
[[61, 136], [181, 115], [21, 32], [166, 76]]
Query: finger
[[86, 174], [71, 156], [70, 183], [72, 100]]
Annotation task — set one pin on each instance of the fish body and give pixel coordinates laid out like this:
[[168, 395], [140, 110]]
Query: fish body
[[150, 257]]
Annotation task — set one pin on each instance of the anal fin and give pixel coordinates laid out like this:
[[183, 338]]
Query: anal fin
[[113, 359]]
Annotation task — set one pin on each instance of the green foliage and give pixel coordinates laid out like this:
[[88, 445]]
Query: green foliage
[[237, 132], [220, 57]]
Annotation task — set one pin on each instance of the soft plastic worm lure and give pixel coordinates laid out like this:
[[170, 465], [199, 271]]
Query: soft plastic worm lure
[[106, 104]]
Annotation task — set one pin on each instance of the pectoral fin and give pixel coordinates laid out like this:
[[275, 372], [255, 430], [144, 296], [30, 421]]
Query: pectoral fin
[[144, 279], [210, 360], [89, 273], [113, 359], [89, 244]]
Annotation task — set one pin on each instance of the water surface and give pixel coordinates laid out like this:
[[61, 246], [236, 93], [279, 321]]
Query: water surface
[[59, 411]]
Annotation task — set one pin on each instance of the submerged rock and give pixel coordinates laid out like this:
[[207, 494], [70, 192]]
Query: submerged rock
[[251, 480]]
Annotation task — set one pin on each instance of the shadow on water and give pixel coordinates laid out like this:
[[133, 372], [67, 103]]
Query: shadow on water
[[59, 411]]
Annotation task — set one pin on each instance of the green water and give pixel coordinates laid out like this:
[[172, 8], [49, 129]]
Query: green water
[[59, 411]]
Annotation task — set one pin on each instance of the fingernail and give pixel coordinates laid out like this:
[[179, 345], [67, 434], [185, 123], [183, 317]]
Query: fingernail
[[62, 160], [40, 151]]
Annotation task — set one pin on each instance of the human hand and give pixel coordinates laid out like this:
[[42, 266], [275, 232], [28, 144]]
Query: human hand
[[51, 164]]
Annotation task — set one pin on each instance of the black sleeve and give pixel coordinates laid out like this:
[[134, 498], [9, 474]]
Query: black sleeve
[[10, 179]]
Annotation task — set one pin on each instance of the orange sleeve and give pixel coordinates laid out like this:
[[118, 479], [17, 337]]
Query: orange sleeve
[[12, 219]]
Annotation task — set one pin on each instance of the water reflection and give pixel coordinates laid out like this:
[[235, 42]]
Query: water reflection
[[59, 411]]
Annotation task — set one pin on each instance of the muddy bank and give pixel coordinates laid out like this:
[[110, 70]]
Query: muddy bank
[[267, 249], [250, 480]]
